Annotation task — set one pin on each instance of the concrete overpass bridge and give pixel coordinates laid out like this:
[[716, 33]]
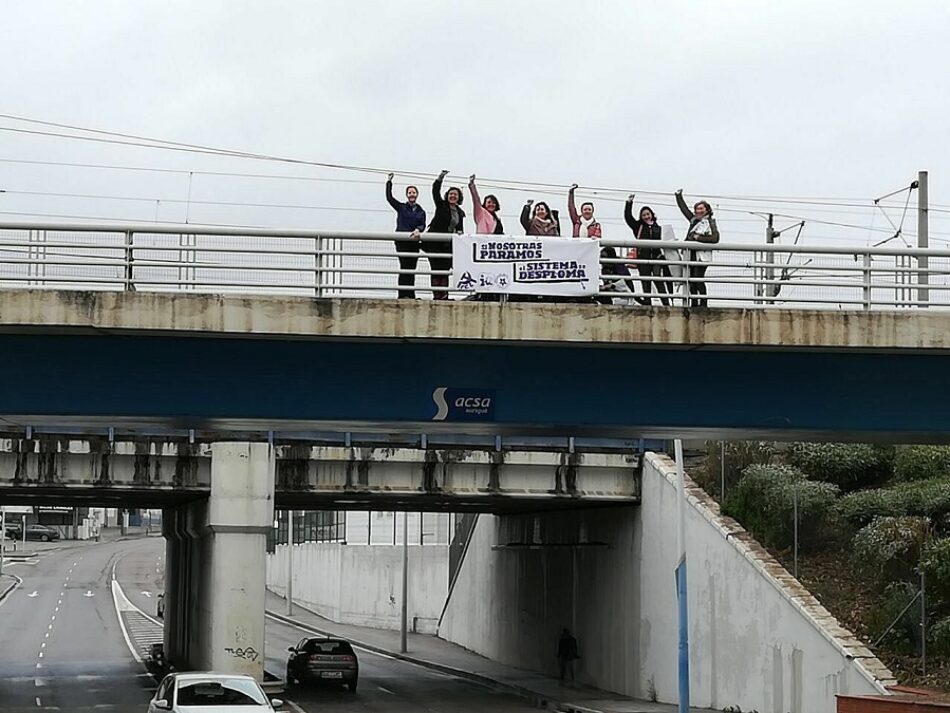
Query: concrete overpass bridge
[[207, 404], [251, 365]]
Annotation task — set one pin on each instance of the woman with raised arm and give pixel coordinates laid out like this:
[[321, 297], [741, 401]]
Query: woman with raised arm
[[449, 218], [487, 220], [410, 218], [542, 221], [702, 229], [646, 228], [585, 224]]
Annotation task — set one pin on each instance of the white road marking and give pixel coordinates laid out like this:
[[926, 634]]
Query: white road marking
[[32, 594], [41, 654], [50, 627], [47, 634], [56, 609], [385, 690], [38, 703], [38, 682], [39, 665], [43, 645], [89, 593], [54, 618]]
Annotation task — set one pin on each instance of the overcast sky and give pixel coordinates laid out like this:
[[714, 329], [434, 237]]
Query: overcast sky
[[722, 98]]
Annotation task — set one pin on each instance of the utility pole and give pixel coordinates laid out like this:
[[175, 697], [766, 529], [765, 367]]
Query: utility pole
[[923, 239], [404, 623], [770, 289], [3, 535], [290, 563]]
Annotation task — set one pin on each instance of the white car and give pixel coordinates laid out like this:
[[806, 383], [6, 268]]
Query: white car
[[212, 693]]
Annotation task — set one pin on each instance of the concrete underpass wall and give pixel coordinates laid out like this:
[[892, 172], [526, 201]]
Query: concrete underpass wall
[[758, 641], [360, 584]]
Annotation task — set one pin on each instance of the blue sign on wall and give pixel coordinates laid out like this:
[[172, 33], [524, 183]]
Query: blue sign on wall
[[463, 404]]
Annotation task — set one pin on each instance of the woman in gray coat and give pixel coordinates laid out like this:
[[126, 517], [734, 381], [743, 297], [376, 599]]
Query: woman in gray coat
[[702, 229]]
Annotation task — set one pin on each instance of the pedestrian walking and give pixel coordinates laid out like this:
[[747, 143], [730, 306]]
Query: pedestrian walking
[[566, 655]]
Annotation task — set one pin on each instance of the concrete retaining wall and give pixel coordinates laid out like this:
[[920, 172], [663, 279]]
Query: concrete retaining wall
[[359, 584], [758, 640]]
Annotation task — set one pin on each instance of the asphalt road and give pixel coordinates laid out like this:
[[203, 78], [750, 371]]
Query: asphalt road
[[61, 646], [86, 665]]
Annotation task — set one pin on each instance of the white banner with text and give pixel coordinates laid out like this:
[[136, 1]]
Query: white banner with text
[[529, 265]]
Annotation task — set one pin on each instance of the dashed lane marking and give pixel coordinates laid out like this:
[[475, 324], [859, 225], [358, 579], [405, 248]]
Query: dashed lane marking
[[385, 690]]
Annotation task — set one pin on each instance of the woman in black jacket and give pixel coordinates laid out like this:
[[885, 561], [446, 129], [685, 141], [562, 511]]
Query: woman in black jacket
[[646, 228], [449, 218]]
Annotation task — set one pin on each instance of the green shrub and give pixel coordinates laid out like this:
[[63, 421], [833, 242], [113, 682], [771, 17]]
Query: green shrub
[[904, 637], [763, 501], [929, 498], [891, 547], [939, 636], [847, 465], [922, 462], [936, 565], [739, 455]]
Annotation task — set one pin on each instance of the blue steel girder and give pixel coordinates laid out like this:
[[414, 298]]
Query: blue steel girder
[[536, 388]]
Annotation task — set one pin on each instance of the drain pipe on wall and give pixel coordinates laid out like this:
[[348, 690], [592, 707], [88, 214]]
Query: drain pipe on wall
[[681, 598]]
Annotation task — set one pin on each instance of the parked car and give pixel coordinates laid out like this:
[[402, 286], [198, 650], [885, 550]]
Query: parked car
[[34, 532], [323, 660], [212, 692]]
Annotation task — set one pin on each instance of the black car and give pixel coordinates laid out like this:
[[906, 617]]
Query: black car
[[34, 532], [323, 660]]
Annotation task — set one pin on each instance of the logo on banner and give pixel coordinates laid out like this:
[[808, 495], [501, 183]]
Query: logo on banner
[[463, 404]]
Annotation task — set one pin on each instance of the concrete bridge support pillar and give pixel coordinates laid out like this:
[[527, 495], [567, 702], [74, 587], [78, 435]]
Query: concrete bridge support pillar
[[178, 591], [228, 624]]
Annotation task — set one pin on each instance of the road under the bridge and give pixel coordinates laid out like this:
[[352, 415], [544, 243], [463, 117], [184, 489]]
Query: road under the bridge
[[63, 649]]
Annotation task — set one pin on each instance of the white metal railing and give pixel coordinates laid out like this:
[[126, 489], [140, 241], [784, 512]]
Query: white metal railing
[[152, 258]]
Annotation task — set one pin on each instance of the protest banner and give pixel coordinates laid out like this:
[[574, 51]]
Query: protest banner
[[529, 265]]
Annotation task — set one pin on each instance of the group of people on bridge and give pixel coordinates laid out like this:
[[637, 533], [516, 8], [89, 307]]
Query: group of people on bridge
[[539, 219]]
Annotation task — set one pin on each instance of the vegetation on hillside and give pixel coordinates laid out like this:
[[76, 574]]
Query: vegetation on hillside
[[873, 524]]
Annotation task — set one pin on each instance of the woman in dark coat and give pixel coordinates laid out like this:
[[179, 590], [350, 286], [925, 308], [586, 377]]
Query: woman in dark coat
[[449, 218], [646, 228]]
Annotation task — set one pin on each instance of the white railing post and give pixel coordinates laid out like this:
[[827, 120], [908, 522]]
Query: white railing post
[[866, 273], [129, 247], [318, 276]]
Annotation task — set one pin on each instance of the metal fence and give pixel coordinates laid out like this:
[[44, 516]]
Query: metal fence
[[148, 258]]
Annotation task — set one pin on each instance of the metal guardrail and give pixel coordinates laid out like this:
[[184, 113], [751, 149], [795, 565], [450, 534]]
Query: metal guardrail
[[149, 258]]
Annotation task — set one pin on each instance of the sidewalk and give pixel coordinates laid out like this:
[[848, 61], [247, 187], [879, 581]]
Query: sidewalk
[[434, 653]]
